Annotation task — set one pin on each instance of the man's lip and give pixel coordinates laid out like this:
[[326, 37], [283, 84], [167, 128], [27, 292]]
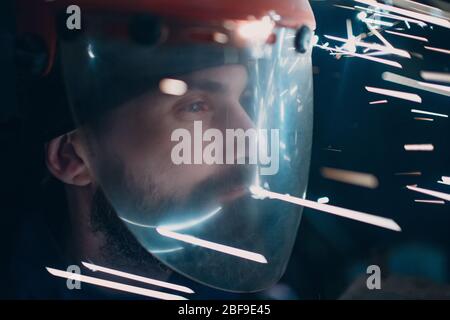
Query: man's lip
[[233, 193]]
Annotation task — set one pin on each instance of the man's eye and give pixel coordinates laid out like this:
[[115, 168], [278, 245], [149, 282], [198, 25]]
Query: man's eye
[[196, 107]]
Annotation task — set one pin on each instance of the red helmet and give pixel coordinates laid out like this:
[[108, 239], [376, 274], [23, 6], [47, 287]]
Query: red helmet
[[39, 16]]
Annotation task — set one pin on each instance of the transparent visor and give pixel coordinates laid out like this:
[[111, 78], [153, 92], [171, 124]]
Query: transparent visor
[[178, 132]]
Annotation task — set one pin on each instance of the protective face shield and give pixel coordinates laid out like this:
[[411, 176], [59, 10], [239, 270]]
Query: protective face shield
[[180, 119]]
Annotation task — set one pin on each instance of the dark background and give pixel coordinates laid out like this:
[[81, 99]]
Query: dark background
[[331, 252]]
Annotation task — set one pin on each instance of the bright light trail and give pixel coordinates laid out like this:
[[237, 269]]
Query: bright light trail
[[430, 201], [423, 119], [419, 147], [408, 82], [379, 60], [373, 46], [244, 254], [392, 16], [429, 113], [437, 194], [378, 102], [420, 16], [130, 276], [410, 36], [378, 22], [323, 200], [416, 6], [445, 180], [435, 76], [397, 94], [382, 222], [114, 285], [413, 173], [437, 49], [351, 177]]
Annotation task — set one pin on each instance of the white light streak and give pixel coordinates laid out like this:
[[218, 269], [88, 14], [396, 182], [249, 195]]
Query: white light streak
[[435, 76], [436, 194], [130, 276], [342, 212], [423, 119], [430, 201], [392, 16], [373, 46], [244, 254], [323, 200], [362, 56], [378, 102], [419, 147], [413, 173], [408, 82], [445, 180], [408, 13], [351, 177], [378, 22], [173, 87], [397, 94], [114, 285], [429, 113], [405, 35], [437, 49]]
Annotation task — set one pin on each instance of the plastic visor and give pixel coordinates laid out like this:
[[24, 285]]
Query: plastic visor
[[161, 127]]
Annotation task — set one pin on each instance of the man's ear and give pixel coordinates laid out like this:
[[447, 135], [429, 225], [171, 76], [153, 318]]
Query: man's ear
[[67, 161]]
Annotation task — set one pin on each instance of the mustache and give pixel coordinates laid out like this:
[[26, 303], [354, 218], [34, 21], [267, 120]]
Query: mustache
[[234, 177]]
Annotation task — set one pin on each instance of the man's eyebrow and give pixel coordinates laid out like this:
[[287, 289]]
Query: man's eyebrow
[[207, 85]]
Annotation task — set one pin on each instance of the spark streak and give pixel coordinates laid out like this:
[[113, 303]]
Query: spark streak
[[408, 82], [430, 201], [437, 49], [436, 194], [114, 285], [435, 76], [382, 222], [372, 46], [379, 60], [406, 35], [378, 102], [429, 113], [244, 254], [445, 180], [397, 94], [351, 177], [420, 16], [130, 276], [419, 147]]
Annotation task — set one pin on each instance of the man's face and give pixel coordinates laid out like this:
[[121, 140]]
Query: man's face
[[133, 155]]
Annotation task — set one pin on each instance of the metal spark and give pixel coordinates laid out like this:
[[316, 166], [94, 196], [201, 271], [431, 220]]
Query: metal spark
[[130, 276], [423, 119], [379, 60], [437, 49], [244, 254], [406, 35], [382, 222], [378, 102], [397, 94], [373, 46], [351, 177], [435, 76], [419, 147], [408, 82], [436, 194], [420, 16], [429, 113], [114, 285], [430, 201]]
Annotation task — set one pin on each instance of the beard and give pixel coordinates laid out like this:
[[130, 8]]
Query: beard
[[120, 248]]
